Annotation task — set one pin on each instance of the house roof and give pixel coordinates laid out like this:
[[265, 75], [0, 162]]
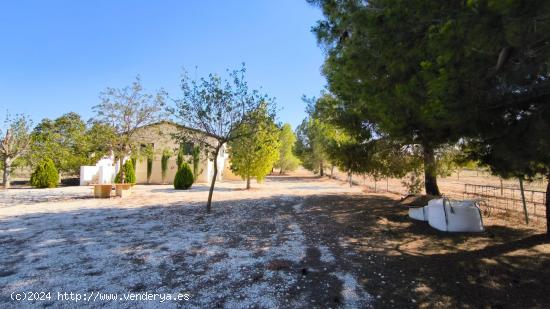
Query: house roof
[[179, 126]]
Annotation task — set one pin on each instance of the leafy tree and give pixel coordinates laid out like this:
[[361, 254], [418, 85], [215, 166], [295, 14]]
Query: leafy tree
[[126, 174], [184, 177], [213, 110], [378, 77], [493, 73], [166, 154], [126, 110], [287, 160], [15, 142], [310, 145], [99, 138], [256, 152], [45, 175], [63, 140]]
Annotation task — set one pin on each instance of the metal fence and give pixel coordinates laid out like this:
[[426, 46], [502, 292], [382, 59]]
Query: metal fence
[[507, 202]]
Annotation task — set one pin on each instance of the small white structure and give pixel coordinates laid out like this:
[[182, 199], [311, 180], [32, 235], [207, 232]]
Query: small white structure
[[101, 173], [450, 216]]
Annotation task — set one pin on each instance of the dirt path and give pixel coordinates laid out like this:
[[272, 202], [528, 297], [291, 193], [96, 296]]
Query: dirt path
[[292, 242]]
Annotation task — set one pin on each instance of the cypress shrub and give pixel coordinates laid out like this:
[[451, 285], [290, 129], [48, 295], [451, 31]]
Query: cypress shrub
[[196, 161], [45, 175], [129, 173], [184, 177], [180, 159], [166, 154], [149, 169], [134, 163]]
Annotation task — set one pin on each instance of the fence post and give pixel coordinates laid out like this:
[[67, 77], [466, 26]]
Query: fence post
[[523, 200]]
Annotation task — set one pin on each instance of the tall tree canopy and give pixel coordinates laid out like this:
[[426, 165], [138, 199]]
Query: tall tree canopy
[[433, 73], [214, 109], [69, 142], [310, 145], [254, 154], [374, 51], [287, 160]]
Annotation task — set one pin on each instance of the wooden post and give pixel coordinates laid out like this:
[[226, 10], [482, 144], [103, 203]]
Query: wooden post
[[523, 200]]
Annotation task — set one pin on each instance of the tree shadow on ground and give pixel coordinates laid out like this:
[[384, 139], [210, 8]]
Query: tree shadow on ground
[[221, 259], [408, 264]]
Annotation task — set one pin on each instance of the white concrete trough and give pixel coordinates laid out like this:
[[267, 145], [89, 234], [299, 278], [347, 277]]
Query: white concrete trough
[[450, 216], [96, 174]]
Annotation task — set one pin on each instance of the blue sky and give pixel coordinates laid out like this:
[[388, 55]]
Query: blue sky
[[56, 56]]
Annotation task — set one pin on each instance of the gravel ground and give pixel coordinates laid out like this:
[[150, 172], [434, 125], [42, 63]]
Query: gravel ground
[[291, 242], [251, 252]]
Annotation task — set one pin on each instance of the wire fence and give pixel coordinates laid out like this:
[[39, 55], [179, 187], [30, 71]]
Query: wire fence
[[508, 202]]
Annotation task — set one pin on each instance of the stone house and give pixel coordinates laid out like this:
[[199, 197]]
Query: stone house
[[160, 137]]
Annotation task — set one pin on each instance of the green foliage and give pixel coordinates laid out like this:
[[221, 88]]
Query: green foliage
[[70, 143], [148, 153], [129, 173], [126, 110], [184, 177], [214, 109], [166, 154], [287, 160], [180, 158], [45, 175], [62, 140], [310, 145], [134, 162], [196, 161], [149, 169], [381, 79], [254, 154]]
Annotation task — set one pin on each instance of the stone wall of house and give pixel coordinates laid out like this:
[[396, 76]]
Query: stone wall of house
[[160, 136]]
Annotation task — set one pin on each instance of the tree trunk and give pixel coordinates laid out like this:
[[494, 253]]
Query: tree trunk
[[523, 200], [247, 182], [430, 172], [213, 182], [7, 169], [548, 207], [321, 170], [331, 171], [350, 180]]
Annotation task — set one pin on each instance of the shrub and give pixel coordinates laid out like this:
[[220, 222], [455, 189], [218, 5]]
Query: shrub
[[129, 173], [166, 154], [184, 177], [180, 158], [45, 175], [149, 169]]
